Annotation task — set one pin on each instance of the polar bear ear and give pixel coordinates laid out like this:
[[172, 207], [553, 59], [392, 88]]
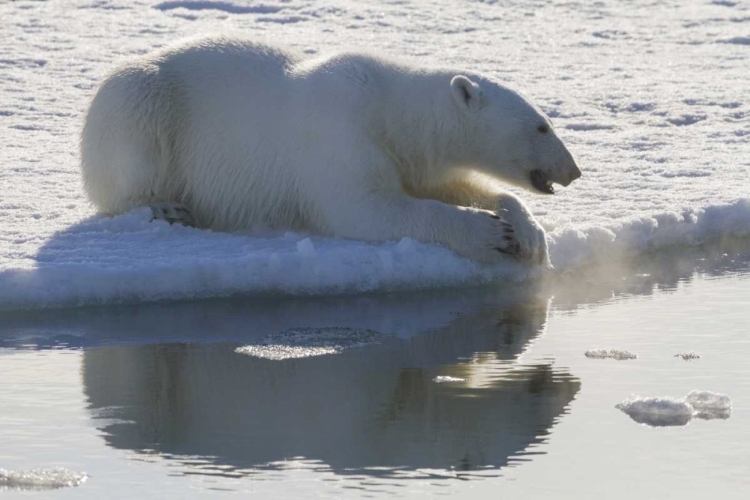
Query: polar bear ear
[[467, 93]]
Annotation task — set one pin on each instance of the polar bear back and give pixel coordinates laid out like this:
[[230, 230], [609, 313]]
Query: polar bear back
[[238, 131], [260, 126]]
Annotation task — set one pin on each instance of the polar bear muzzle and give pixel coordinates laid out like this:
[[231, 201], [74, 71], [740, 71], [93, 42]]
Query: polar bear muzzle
[[566, 173], [541, 182]]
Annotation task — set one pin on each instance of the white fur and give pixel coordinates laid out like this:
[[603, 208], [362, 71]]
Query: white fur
[[349, 145]]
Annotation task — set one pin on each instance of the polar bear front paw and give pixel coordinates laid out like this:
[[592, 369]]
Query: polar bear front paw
[[491, 237], [509, 244], [528, 240]]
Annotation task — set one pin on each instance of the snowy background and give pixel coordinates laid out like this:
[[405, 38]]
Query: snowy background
[[652, 98]]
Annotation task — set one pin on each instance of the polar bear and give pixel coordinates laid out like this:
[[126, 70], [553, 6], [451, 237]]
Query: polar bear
[[229, 134]]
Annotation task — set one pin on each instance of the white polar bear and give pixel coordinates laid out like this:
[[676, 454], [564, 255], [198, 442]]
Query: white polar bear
[[243, 134]]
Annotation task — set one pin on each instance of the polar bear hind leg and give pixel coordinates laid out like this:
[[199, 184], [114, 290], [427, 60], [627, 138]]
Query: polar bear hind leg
[[122, 153]]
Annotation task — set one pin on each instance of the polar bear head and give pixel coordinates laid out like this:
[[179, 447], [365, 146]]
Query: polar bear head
[[508, 137]]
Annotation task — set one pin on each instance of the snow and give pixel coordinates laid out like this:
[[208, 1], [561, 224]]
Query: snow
[[40, 479], [650, 97], [665, 411]]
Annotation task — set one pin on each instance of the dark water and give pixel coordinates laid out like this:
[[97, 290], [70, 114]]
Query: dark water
[[163, 385]]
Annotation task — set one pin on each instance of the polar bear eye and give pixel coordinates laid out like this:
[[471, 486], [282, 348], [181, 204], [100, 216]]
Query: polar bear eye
[[543, 129]]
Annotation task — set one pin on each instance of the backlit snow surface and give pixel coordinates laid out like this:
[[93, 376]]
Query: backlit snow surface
[[651, 97]]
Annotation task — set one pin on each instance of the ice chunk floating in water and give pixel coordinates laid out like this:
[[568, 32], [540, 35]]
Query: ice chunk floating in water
[[440, 379], [661, 412], [687, 356], [710, 405], [657, 412], [40, 479], [612, 354], [306, 342]]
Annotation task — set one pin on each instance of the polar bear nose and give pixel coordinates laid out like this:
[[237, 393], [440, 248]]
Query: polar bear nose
[[573, 172]]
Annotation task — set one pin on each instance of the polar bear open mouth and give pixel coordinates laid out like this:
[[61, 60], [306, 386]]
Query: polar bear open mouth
[[540, 181]]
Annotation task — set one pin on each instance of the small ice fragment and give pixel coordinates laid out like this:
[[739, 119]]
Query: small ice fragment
[[597, 353], [446, 378], [40, 479], [701, 400], [710, 405], [307, 342], [611, 353], [281, 352], [687, 356], [306, 248], [657, 412]]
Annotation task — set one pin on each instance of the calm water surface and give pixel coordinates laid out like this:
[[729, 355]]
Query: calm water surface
[[153, 401]]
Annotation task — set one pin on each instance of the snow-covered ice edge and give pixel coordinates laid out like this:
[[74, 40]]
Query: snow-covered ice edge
[[130, 259], [575, 247]]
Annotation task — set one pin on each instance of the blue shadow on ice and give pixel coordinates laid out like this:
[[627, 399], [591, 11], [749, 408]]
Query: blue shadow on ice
[[129, 259]]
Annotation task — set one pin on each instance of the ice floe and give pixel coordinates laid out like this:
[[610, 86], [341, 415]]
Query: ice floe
[[663, 146]]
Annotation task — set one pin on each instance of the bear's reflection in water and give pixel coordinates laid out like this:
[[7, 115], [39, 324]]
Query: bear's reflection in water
[[371, 410]]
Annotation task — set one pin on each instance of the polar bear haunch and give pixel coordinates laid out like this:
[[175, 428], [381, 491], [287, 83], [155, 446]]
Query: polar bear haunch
[[347, 145]]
